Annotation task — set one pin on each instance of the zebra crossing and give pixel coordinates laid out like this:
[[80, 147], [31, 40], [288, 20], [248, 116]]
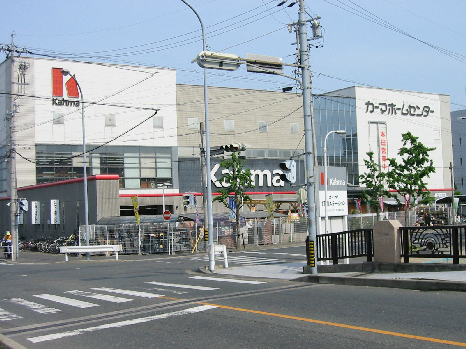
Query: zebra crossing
[[95, 295], [251, 258]]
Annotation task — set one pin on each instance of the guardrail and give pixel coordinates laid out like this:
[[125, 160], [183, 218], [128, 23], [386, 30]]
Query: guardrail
[[347, 244]]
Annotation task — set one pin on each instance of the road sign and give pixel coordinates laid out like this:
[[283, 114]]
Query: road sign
[[167, 215]]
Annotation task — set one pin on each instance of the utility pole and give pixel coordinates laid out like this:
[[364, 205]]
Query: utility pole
[[308, 108], [12, 182]]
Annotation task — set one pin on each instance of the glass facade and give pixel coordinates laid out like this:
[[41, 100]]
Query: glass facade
[[332, 114], [138, 167]]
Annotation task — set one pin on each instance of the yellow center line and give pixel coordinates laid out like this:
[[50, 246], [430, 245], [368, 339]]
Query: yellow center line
[[366, 329]]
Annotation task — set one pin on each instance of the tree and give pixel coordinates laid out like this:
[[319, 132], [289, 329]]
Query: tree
[[408, 176], [375, 181], [237, 179]]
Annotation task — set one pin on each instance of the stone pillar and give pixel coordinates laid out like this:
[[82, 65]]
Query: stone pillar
[[387, 242]]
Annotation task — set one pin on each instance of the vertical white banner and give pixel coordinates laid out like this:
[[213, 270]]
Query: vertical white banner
[[35, 212], [54, 211]]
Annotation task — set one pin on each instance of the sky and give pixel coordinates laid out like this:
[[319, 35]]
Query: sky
[[413, 45]]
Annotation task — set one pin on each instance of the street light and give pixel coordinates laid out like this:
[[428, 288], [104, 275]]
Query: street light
[[86, 205], [210, 221], [339, 132]]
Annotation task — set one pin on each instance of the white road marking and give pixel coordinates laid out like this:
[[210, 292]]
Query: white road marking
[[53, 336], [291, 254], [6, 315], [103, 297], [255, 252], [227, 280], [202, 288], [127, 292], [66, 301], [244, 260], [38, 308]]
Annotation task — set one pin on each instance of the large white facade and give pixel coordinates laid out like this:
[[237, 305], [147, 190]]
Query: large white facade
[[123, 106], [384, 115]]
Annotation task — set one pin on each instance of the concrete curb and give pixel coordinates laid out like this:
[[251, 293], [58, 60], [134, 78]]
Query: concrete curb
[[410, 284], [9, 343]]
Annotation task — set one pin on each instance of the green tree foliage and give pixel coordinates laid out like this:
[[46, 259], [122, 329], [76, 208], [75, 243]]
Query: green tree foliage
[[408, 176], [238, 179], [374, 180]]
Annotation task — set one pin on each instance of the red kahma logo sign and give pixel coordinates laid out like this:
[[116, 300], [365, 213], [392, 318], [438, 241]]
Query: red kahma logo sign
[[57, 89]]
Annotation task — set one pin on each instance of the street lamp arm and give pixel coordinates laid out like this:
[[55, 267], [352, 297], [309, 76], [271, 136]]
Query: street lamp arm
[[202, 24]]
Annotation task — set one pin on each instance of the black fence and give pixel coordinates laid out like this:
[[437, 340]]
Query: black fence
[[442, 241], [347, 244]]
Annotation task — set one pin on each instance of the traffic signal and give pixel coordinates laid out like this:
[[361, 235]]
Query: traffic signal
[[186, 201], [289, 169], [232, 148], [302, 195], [23, 205], [206, 234]]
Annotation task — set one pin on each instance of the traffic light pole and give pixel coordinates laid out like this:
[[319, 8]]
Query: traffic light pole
[[308, 109]]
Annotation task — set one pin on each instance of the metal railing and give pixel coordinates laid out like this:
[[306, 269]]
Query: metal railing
[[171, 237], [442, 241], [347, 244]]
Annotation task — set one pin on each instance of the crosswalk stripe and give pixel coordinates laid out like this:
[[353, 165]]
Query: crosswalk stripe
[[203, 288], [291, 254], [128, 292], [103, 297], [6, 315], [227, 280], [66, 301], [119, 324], [38, 308]]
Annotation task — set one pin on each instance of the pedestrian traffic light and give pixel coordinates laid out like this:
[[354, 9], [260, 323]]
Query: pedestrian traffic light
[[186, 201], [289, 169], [23, 205]]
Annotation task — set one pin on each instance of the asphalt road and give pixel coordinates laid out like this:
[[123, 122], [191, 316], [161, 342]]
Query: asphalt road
[[164, 302]]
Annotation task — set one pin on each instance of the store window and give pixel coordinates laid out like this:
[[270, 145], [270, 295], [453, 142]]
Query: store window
[[137, 167]]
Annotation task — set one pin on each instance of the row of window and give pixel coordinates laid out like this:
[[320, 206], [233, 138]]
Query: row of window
[[110, 120], [138, 167], [229, 125]]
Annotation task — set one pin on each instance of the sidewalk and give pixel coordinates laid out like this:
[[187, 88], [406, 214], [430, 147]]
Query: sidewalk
[[446, 278]]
